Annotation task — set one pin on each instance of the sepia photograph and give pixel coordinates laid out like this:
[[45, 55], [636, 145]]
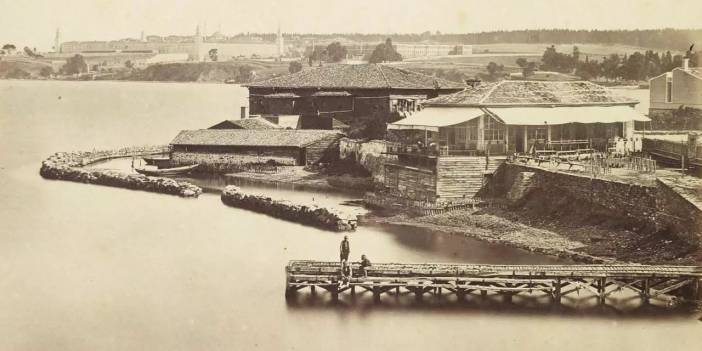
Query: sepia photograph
[[350, 175]]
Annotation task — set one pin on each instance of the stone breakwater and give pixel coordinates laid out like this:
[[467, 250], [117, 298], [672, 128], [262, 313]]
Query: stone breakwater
[[309, 215], [68, 166]]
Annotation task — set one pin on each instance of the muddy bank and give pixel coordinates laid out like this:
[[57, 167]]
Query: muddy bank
[[493, 230], [319, 217], [68, 166], [579, 239]]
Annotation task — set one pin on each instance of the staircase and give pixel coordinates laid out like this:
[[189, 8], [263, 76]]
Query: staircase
[[461, 177]]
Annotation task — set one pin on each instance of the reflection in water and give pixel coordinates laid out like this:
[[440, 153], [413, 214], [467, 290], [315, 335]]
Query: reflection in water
[[86, 267]]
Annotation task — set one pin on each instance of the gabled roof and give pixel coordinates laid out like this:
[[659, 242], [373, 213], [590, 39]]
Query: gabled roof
[[246, 123], [533, 93], [364, 76], [252, 137]]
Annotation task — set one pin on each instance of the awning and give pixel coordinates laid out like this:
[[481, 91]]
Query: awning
[[434, 117], [562, 115]]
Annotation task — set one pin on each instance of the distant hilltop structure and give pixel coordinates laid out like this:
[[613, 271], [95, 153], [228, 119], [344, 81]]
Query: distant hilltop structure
[[197, 46]]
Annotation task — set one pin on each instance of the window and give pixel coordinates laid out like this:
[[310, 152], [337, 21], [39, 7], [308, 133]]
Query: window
[[669, 91], [494, 131]]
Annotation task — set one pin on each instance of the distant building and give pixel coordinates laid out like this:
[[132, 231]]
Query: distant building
[[544, 76], [412, 50], [229, 149], [346, 93], [681, 87], [197, 46]]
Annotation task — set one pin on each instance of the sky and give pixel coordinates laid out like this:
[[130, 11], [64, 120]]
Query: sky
[[33, 22]]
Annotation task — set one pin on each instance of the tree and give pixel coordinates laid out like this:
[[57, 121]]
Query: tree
[[212, 54], [46, 71], [294, 66], [335, 52], [384, 52], [495, 72], [129, 64], [9, 47], [528, 67], [588, 70], [74, 65]]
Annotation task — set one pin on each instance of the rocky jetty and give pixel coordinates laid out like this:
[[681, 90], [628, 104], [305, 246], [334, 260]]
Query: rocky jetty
[[310, 215], [68, 166]]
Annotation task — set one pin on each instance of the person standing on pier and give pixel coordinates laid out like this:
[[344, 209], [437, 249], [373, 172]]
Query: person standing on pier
[[344, 249]]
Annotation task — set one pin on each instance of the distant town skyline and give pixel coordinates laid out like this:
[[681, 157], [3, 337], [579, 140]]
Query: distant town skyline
[[33, 23]]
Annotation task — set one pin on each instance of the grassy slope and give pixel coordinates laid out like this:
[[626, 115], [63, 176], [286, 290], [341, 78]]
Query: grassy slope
[[28, 65]]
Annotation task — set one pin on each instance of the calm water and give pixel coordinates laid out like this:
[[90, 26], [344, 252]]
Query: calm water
[[86, 267]]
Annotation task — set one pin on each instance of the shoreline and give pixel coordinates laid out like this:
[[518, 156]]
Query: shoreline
[[580, 243], [490, 236]]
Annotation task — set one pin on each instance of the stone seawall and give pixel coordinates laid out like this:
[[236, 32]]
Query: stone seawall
[[637, 207], [300, 213], [68, 166]]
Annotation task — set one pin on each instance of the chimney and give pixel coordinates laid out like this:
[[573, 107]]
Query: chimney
[[243, 112], [686, 64]]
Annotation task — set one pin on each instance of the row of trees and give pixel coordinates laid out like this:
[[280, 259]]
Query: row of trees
[[668, 39], [636, 67]]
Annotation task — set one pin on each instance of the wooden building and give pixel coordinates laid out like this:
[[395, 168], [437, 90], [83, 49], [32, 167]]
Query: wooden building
[[442, 149], [345, 93], [227, 149]]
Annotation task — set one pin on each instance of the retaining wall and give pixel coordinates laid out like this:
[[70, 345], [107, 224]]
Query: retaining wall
[[639, 207], [228, 162], [310, 215], [68, 166], [369, 154]]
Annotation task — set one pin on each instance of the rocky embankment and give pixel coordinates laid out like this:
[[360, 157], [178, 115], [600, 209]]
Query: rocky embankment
[[309, 215], [69, 166]]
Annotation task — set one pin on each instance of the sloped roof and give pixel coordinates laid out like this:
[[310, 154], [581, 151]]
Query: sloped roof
[[521, 93], [364, 76], [247, 123], [695, 71], [252, 137]]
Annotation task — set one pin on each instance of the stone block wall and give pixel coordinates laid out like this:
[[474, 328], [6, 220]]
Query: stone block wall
[[369, 154], [227, 162], [656, 208]]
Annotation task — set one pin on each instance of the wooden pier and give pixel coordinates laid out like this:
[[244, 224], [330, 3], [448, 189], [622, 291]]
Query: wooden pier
[[666, 284]]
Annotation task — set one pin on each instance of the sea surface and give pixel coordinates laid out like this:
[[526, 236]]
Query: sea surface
[[86, 267]]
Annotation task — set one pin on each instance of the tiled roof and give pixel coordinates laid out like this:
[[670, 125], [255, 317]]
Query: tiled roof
[[252, 137], [366, 76], [246, 123], [282, 96], [510, 92]]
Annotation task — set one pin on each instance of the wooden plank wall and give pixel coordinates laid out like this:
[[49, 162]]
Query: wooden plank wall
[[462, 177]]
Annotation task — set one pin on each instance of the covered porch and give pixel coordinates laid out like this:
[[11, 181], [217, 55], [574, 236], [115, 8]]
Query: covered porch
[[447, 131]]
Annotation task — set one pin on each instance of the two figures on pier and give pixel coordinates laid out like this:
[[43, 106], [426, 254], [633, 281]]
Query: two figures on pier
[[344, 251]]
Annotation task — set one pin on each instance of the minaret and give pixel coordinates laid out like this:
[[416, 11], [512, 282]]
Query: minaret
[[57, 41], [197, 40], [142, 36], [280, 39]]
